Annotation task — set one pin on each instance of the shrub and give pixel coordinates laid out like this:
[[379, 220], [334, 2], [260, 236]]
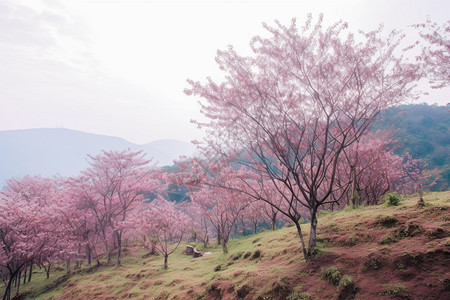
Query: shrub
[[394, 289], [393, 199], [373, 264], [333, 275], [388, 239], [346, 280]]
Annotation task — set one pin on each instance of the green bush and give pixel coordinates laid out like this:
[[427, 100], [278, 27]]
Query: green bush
[[394, 289], [333, 275], [388, 239], [346, 280], [393, 199], [296, 295]]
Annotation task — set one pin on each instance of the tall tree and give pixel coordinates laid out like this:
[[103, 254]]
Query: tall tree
[[289, 111]]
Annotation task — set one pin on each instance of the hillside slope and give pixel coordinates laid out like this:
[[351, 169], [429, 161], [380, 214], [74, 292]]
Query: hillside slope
[[369, 253]]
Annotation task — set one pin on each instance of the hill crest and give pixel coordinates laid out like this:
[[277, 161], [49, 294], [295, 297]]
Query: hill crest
[[51, 151]]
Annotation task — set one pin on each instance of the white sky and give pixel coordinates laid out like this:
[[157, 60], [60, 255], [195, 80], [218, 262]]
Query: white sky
[[119, 67]]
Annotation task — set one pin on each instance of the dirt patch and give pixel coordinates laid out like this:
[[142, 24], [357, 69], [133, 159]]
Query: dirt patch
[[387, 221], [436, 233], [219, 290], [243, 291]]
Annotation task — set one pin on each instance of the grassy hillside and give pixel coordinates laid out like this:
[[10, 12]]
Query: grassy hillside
[[368, 253]]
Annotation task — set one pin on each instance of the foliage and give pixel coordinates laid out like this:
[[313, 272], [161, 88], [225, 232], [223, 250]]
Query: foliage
[[392, 289], [333, 275], [435, 54], [393, 199], [388, 239]]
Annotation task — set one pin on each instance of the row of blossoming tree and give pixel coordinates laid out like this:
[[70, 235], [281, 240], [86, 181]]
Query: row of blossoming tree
[[287, 136], [44, 221]]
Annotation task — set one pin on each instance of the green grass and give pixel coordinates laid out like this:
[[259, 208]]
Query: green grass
[[396, 288], [275, 256]]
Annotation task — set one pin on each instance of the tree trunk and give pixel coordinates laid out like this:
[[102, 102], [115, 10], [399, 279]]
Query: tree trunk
[[109, 255], [166, 256], [219, 236], [68, 265], [119, 246], [88, 254], [31, 271], [300, 234], [25, 274], [47, 270], [274, 221], [18, 277], [312, 235], [224, 246], [420, 203], [7, 294]]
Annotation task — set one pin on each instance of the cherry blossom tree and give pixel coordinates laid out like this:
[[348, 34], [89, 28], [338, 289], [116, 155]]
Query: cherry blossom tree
[[374, 167], [79, 221], [289, 111], [28, 232], [435, 54], [253, 216], [165, 225], [114, 185], [416, 176], [219, 201]]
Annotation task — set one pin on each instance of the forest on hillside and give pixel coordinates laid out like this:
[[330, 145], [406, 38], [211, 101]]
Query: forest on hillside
[[421, 130]]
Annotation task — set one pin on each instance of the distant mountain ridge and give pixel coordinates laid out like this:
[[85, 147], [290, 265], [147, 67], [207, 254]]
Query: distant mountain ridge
[[52, 151]]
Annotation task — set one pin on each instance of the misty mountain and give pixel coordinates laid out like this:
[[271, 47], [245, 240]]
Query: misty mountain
[[48, 152]]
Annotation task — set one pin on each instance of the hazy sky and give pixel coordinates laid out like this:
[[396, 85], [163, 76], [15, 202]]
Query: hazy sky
[[119, 67]]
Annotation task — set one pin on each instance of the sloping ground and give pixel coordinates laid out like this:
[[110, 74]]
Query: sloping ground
[[366, 253]]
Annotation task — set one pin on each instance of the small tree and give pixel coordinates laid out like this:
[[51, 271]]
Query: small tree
[[223, 209], [416, 177], [165, 225]]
